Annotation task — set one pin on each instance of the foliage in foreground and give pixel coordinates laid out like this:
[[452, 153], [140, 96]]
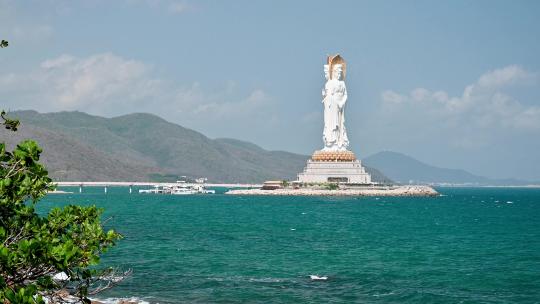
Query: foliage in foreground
[[34, 249]]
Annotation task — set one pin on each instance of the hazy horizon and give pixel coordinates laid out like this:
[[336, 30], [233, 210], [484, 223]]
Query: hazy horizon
[[452, 84]]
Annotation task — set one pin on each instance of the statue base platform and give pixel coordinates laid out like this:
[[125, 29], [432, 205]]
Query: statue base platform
[[334, 166]]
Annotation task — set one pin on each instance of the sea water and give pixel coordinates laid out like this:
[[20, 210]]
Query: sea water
[[470, 245]]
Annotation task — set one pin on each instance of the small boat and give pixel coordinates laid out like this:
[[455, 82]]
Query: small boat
[[202, 189], [156, 190], [180, 188], [183, 190]]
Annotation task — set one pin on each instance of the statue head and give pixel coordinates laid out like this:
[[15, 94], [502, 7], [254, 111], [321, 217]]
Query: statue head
[[337, 72], [326, 71], [334, 61]]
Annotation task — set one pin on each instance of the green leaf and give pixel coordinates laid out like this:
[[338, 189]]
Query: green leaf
[[69, 239]]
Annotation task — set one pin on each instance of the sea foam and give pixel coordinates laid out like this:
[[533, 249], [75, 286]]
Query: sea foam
[[118, 300]]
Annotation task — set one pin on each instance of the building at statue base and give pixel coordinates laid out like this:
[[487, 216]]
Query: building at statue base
[[334, 167]]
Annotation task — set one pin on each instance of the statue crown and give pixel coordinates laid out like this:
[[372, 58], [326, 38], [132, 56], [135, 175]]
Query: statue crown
[[335, 62]]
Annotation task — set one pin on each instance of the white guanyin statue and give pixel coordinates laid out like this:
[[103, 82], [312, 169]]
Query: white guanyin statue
[[334, 99], [334, 163]]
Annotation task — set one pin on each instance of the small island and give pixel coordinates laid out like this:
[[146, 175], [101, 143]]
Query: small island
[[340, 190], [335, 170]]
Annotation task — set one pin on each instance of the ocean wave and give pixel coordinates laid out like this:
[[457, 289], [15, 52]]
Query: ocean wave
[[248, 279], [266, 280], [120, 300]]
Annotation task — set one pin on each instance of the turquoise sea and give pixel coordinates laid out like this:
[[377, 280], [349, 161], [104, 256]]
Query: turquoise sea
[[471, 245]]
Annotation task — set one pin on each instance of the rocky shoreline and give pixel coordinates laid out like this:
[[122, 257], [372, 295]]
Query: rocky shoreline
[[119, 301], [391, 191]]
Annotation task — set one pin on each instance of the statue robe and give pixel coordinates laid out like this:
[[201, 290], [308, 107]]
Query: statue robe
[[334, 134]]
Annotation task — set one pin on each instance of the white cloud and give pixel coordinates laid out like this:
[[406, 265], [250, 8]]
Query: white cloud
[[251, 103], [178, 7], [509, 75], [391, 97], [421, 95], [483, 104], [70, 83], [494, 119], [171, 6], [19, 30], [107, 84], [57, 62]]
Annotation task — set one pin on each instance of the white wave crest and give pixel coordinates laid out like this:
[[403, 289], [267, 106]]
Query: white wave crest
[[118, 300]]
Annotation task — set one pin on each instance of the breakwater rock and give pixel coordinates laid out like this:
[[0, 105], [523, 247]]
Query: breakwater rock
[[381, 191]]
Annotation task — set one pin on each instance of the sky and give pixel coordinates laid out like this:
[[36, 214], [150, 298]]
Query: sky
[[454, 84]]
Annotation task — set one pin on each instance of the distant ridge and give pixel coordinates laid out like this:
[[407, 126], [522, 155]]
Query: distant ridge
[[405, 169]]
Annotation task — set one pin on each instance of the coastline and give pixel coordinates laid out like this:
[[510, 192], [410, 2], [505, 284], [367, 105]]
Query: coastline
[[146, 184], [56, 191], [398, 191]]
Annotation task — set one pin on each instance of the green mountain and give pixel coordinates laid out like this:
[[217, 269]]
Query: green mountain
[[143, 147], [139, 147]]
